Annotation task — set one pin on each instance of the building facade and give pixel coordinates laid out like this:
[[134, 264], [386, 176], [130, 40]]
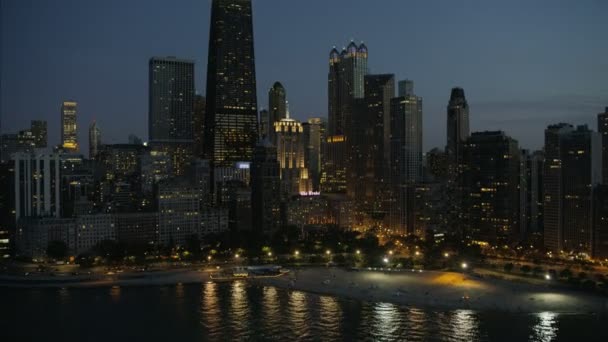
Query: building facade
[[231, 125], [69, 133]]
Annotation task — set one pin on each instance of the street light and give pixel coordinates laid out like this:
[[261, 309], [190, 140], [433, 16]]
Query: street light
[[296, 253], [209, 258], [464, 265], [236, 256], [548, 276], [269, 254], [390, 252], [447, 255], [385, 260], [417, 253], [328, 252], [358, 251]]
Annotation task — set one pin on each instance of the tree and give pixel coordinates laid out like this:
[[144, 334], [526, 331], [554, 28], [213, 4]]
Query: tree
[[526, 269], [508, 267], [57, 249]]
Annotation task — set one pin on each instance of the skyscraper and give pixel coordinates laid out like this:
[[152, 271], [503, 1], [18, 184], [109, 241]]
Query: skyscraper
[[265, 126], [231, 126], [491, 181], [602, 128], [94, 140], [406, 157], [457, 127], [265, 185], [346, 85], [290, 154], [69, 138], [277, 106], [171, 109], [171, 100], [572, 170]]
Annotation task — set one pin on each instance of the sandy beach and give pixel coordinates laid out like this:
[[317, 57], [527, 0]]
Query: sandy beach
[[441, 290]]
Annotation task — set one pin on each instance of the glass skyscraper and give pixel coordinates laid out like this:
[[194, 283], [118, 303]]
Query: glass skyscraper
[[231, 125]]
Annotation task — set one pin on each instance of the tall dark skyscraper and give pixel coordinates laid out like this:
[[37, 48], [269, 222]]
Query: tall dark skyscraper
[[346, 86], [277, 107], [171, 109], [458, 127], [602, 128], [94, 140], [231, 125], [171, 100], [572, 170], [491, 182], [345, 83]]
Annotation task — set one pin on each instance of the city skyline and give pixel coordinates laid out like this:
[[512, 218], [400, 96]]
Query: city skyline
[[501, 74]]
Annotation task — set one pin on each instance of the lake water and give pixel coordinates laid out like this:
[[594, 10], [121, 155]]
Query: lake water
[[241, 311]]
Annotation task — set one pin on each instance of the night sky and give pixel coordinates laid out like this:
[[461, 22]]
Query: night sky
[[523, 64]]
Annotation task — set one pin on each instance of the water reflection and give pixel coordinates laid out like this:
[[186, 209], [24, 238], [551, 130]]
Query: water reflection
[[545, 328], [210, 311], [465, 325], [115, 293], [330, 316], [298, 314], [385, 320], [239, 308]]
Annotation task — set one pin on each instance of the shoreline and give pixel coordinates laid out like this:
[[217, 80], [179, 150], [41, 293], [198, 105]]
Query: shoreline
[[429, 289]]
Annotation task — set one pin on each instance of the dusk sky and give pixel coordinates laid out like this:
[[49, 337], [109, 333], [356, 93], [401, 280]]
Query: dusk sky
[[523, 64]]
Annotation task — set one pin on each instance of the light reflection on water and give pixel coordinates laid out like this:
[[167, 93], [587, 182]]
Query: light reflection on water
[[545, 328], [242, 311]]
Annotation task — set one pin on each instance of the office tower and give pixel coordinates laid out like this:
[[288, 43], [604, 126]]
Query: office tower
[[277, 106], [491, 181], [347, 70], [94, 140], [265, 187], [231, 126], [457, 128], [313, 135], [69, 137], [37, 185], [198, 124], [265, 126], [290, 154], [171, 109], [600, 222], [602, 128], [406, 158], [39, 132], [572, 168]]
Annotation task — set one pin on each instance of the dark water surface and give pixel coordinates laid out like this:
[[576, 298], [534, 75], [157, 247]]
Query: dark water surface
[[241, 311]]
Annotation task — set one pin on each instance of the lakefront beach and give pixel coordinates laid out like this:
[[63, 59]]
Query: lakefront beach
[[442, 290]]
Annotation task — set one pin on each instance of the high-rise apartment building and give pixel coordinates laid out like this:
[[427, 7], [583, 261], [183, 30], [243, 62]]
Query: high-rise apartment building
[[314, 131], [69, 134], [457, 127], [231, 125], [573, 161], [290, 154], [37, 185], [491, 180], [198, 124], [39, 132]]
